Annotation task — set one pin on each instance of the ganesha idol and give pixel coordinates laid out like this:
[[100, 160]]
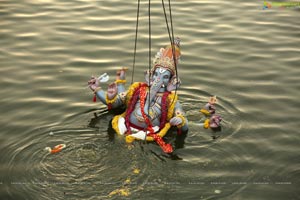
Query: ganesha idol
[[152, 107]]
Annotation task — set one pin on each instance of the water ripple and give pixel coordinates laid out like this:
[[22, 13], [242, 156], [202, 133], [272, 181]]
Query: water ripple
[[246, 56]]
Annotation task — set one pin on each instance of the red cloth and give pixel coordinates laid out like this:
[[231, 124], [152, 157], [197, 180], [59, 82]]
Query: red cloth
[[167, 148]]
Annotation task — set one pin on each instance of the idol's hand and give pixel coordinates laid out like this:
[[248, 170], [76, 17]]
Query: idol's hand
[[112, 91], [93, 83], [121, 73], [175, 121]]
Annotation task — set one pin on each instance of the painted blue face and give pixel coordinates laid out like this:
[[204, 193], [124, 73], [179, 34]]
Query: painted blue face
[[161, 77]]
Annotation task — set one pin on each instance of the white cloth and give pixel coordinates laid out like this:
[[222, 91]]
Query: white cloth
[[136, 133]]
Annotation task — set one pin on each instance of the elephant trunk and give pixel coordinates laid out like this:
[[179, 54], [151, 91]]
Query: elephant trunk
[[156, 86]]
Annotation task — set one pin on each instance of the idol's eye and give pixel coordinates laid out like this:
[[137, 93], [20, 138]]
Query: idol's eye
[[155, 73], [166, 77]]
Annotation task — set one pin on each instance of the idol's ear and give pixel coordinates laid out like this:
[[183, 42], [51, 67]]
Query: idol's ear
[[147, 77], [173, 84]]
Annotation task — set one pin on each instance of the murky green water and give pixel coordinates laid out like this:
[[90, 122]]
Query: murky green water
[[247, 56]]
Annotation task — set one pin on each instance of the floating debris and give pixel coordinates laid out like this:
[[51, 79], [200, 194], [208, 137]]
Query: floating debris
[[122, 192], [56, 149], [218, 191], [127, 181], [136, 171]]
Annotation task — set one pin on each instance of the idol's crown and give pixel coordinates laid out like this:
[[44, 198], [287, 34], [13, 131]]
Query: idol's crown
[[164, 58]]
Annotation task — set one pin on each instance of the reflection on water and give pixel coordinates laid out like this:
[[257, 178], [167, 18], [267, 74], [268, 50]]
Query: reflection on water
[[245, 55]]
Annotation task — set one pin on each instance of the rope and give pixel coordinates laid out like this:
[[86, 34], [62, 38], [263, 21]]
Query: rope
[[135, 41], [149, 23], [167, 23], [173, 48], [171, 37], [149, 67]]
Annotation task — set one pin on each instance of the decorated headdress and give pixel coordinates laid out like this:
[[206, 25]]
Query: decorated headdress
[[164, 58]]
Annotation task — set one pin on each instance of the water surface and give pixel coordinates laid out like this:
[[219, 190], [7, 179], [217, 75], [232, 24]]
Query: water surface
[[247, 56]]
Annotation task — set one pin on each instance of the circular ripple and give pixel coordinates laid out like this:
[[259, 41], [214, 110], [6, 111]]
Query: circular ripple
[[75, 171], [91, 165]]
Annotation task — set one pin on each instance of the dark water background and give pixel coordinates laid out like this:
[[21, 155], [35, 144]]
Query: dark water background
[[247, 56]]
